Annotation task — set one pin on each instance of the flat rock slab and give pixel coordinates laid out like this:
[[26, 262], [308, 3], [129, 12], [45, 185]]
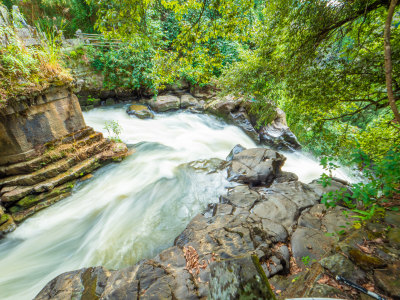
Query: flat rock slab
[[255, 166], [310, 244], [278, 209], [241, 196], [298, 192]]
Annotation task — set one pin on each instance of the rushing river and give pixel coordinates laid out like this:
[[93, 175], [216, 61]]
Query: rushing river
[[131, 210]]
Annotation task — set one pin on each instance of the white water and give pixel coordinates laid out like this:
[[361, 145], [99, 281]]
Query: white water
[[128, 211]]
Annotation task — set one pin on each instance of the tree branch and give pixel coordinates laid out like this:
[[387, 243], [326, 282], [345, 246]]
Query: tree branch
[[388, 62]]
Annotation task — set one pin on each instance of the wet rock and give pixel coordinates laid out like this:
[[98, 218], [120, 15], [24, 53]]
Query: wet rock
[[335, 185], [242, 120], [273, 266], [165, 103], [299, 193], [7, 224], [148, 280], [188, 100], [333, 220], [299, 285], [223, 106], [339, 265], [255, 166], [222, 209], [236, 150], [286, 177], [239, 278], [309, 245], [337, 220], [241, 196], [366, 261], [110, 101], [81, 284], [140, 111], [275, 232], [279, 210], [211, 165], [394, 237], [278, 135], [312, 218], [388, 280], [279, 138]]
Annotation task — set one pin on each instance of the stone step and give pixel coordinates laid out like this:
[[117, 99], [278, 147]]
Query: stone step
[[65, 146], [22, 215], [55, 168], [32, 200], [82, 168]]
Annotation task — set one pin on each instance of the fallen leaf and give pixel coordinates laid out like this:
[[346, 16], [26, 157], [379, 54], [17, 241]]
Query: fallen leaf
[[364, 249]]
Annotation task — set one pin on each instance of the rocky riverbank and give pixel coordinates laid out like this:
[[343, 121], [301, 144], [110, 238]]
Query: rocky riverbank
[[234, 110], [45, 146], [268, 226]]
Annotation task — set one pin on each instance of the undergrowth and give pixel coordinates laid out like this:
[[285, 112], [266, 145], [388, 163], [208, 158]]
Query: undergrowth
[[380, 191], [24, 70]]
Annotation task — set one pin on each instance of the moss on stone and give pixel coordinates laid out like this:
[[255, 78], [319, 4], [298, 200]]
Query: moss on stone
[[4, 218], [365, 261], [90, 283]]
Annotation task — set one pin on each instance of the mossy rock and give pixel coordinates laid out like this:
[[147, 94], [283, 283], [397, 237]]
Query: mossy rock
[[239, 278], [366, 261], [4, 218], [32, 200], [140, 111], [394, 237], [8, 226]]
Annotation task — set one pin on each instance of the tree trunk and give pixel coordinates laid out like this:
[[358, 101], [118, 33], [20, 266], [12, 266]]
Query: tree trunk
[[388, 62]]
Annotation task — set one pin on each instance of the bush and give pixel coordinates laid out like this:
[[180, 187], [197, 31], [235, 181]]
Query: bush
[[382, 188], [124, 67]]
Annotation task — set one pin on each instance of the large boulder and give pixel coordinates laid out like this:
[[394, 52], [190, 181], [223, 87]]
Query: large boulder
[[140, 111], [277, 134], [223, 106], [165, 103], [242, 120], [188, 101], [255, 166]]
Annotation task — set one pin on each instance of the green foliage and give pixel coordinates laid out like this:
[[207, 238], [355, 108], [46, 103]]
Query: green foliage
[[75, 14], [383, 184], [189, 40], [114, 130], [24, 70], [92, 100], [306, 260], [322, 62], [123, 67]]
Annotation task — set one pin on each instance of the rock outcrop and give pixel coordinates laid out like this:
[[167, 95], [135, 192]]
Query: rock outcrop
[[261, 229], [45, 147], [140, 111]]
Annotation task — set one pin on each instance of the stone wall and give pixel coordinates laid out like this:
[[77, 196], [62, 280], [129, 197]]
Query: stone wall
[[25, 127], [45, 147]]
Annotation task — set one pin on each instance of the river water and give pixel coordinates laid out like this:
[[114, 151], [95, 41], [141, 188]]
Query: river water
[[130, 210]]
